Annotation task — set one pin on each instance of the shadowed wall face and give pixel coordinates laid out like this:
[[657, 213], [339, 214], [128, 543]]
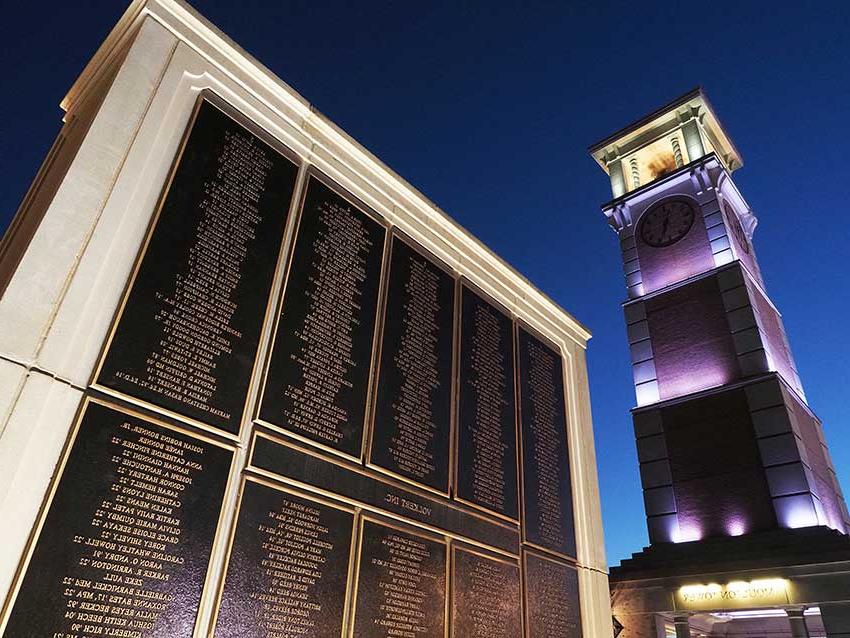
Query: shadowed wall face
[[702, 470], [746, 459], [717, 472], [775, 341]]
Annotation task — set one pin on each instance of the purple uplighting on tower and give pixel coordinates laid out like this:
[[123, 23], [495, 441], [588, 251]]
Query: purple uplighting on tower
[[726, 442]]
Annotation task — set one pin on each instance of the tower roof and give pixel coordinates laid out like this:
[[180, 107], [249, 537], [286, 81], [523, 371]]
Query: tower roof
[[693, 105]]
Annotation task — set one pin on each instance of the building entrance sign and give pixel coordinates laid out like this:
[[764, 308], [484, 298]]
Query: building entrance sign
[[764, 592]]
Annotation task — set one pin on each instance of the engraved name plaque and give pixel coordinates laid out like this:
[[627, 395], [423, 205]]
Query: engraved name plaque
[[413, 405], [545, 455], [188, 331], [552, 602], [318, 374], [310, 405], [487, 449], [124, 547], [377, 491], [485, 596], [402, 584], [288, 569]]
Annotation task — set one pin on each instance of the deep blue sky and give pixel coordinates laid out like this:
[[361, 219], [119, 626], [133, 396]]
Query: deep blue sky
[[488, 109]]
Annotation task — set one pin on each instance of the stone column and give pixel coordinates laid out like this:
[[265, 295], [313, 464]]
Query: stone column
[[683, 627], [797, 620], [618, 180], [693, 140]]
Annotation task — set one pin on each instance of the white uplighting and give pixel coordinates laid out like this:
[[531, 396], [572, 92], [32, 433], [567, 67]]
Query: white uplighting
[[761, 613]]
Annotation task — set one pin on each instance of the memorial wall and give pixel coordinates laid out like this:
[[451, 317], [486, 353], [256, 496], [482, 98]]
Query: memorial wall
[[303, 422]]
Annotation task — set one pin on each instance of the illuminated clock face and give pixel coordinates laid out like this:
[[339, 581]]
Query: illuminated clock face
[[667, 222], [734, 223]]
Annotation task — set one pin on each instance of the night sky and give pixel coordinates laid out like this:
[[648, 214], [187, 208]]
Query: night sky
[[488, 109]]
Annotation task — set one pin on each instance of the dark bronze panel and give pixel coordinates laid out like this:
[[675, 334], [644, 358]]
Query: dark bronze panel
[[188, 333], [485, 596], [318, 375], [487, 447], [551, 598], [401, 589], [548, 517], [352, 481], [288, 568], [412, 427], [127, 537]]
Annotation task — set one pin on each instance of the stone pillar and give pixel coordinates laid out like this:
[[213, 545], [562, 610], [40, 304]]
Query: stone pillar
[[618, 180], [797, 620], [693, 140], [836, 619], [683, 627]]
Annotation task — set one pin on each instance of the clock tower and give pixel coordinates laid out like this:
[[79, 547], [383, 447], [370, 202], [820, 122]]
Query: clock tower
[[730, 452]]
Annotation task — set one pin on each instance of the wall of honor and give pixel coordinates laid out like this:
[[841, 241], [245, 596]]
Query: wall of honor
[[270, 403]]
